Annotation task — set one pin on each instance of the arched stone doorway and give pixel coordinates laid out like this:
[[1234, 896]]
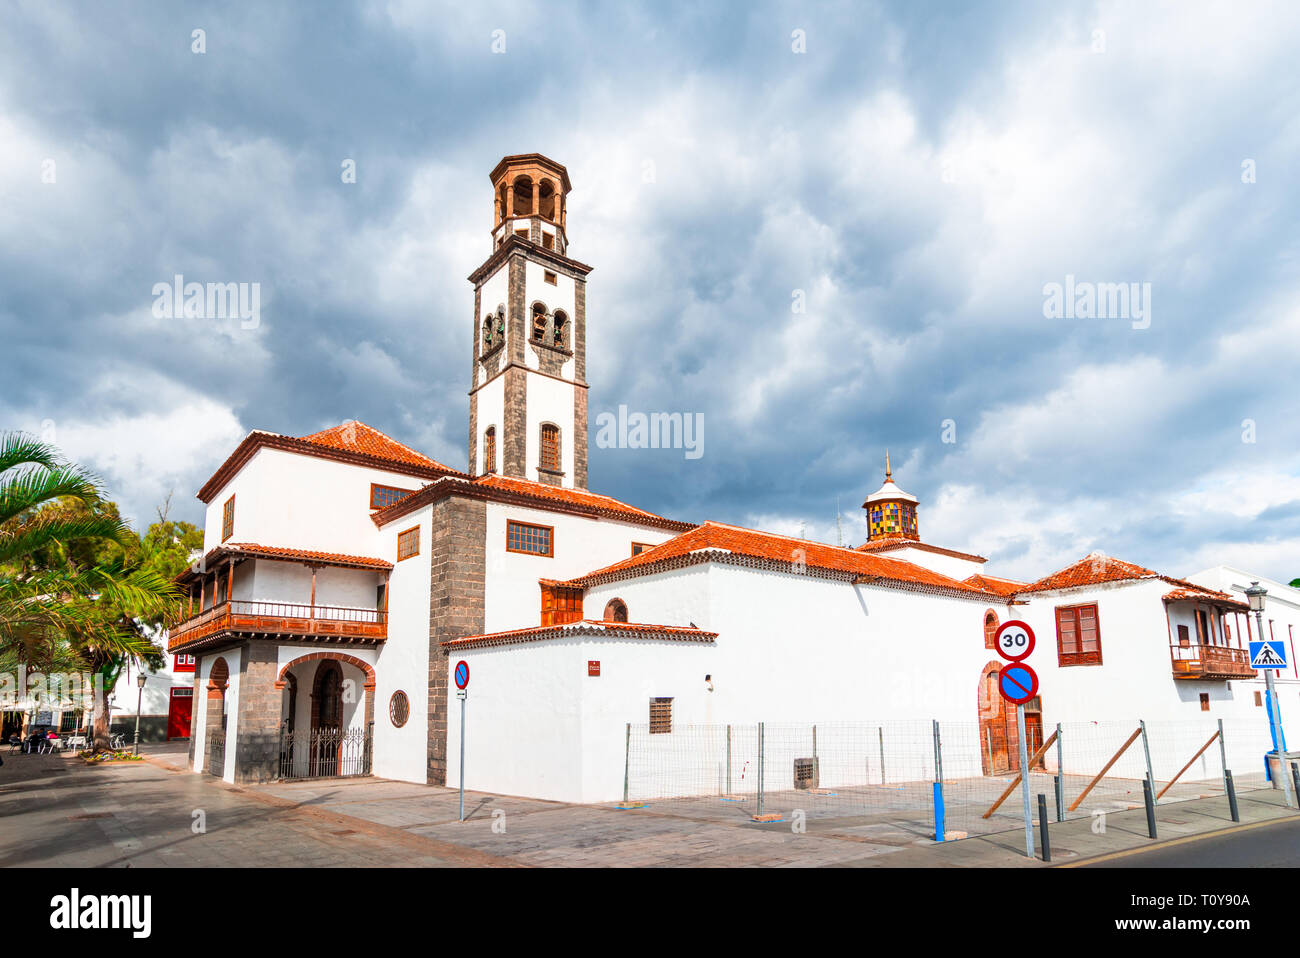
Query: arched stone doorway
[[214, 734], [999, 738]]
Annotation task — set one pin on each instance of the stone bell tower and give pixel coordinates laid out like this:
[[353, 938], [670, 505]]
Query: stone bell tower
[[528, 398]]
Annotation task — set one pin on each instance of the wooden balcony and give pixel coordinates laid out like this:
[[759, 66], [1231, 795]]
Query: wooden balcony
[[272, 619], [1210, 662]]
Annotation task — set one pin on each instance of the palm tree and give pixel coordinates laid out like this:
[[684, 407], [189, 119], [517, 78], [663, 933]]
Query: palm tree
[[53, 606]]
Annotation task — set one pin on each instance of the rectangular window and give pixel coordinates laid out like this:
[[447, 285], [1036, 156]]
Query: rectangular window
[[1205, 701], [408, 543], [661, 716], [381, 496], [640, 547], [1078, 635], [526, 537], [550, 447], [1184, 639], [548, 241], [549, 277], [228, 519]]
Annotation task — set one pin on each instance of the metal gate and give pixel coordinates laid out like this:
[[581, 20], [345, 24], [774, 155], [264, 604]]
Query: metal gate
[[326, 753], [217, 752]]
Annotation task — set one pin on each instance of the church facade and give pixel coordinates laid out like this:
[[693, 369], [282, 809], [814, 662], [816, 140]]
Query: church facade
[[344, 575]]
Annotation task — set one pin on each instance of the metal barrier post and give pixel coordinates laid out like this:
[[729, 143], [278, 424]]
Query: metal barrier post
[[1148, 799], [760, 768], [627, 759], [881, 731], [728, 760], [1295, 777], [1146, 749], [1060, 798], [1232, 795], [1042, 825], [938, 784]]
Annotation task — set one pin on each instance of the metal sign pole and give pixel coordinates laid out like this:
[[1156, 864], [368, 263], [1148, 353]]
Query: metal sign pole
[[1146, 748], [1278, 747], [1024, 781], [463, 696]]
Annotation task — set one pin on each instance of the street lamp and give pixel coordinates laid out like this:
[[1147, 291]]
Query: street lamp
[[139, 681], [1255, 596]]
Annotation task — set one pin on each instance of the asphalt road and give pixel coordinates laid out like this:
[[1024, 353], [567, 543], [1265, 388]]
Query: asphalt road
[[1275, 845]]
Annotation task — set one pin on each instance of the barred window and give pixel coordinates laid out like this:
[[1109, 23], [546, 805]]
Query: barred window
[[526, 537], [661, 716], [550, 447], [381, 496], [408, 543], [399, 709], [490, 449], [228, 519]]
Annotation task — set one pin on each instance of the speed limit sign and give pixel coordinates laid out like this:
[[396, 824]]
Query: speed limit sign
[[1014, 640]]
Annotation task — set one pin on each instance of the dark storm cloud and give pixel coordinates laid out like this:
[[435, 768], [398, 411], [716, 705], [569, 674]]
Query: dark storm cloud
[[769, 172]]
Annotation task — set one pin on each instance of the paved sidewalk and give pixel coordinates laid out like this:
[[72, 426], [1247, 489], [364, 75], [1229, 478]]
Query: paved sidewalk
[[141, 814]]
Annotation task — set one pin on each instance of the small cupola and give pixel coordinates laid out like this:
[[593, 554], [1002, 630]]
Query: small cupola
[[891, 512]]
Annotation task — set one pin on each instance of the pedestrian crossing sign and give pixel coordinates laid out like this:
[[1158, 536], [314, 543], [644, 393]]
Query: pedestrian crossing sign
[[1267, 655]]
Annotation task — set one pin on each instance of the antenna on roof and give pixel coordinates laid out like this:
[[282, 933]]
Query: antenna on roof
[[839, 528]]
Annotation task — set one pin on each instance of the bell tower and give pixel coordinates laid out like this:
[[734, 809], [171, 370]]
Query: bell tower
[[528, 397]]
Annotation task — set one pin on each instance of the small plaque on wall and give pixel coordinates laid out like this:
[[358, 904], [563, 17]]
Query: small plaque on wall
[[593, 667]]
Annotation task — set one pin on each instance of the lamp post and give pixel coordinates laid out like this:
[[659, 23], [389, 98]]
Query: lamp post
[[1255, 595], [139, 681]]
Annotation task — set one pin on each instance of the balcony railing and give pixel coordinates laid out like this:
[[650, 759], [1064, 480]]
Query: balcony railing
[[1210, 662], [281, 618]]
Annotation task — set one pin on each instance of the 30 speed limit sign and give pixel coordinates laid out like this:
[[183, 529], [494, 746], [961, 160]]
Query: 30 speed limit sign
[[1014, 640]]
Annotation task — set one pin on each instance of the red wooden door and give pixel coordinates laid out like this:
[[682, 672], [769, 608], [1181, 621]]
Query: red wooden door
[[178, 713]]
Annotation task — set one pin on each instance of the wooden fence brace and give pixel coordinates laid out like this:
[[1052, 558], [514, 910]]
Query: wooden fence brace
[[1106, 768], [1188, 765], [1042, 750]]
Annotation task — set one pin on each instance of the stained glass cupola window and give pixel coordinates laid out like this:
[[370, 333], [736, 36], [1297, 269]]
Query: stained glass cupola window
[[891, 512]]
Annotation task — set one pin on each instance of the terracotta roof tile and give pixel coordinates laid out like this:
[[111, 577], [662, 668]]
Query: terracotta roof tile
[[580, 497], [1098, 568], [902, 542], [353, 436], [257, 551], [1211, 596], [721, 538], [540, 633], [994, 584]]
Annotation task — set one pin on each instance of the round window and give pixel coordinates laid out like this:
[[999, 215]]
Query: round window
[[399, 709]]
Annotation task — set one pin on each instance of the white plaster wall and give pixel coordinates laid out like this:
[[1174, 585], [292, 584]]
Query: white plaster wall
[[491, 412], [402, 662], [549, 400], [950, 566], [512, 595], [302, 502]]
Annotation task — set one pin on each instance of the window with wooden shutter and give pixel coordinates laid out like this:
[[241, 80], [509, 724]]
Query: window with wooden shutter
[[1078, 635], [561, 604], [550, 447], [1205, 701], [490, 449], [1184, 637], [228, 519], [408, 543], [661, 716]]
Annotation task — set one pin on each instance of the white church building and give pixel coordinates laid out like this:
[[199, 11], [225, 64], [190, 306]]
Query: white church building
[[344, 575]]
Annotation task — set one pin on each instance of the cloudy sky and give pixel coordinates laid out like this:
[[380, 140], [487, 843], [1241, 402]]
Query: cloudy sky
[[914, 177]]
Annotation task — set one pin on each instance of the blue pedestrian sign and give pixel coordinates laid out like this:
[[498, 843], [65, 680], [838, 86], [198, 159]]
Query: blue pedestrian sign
[[1269, 654]]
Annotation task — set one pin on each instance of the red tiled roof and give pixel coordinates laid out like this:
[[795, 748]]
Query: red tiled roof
[[994, 584], [901, 542], [1099, 568], [721, 539], [353, 436], [257, 551], [538, 633], [1211, 596], [525, 491], [1092, 569]]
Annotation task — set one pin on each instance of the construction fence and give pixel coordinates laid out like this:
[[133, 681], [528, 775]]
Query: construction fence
[[881, 777]]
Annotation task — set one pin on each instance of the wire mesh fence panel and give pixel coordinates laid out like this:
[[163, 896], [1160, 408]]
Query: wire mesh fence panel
[[876, 780]]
